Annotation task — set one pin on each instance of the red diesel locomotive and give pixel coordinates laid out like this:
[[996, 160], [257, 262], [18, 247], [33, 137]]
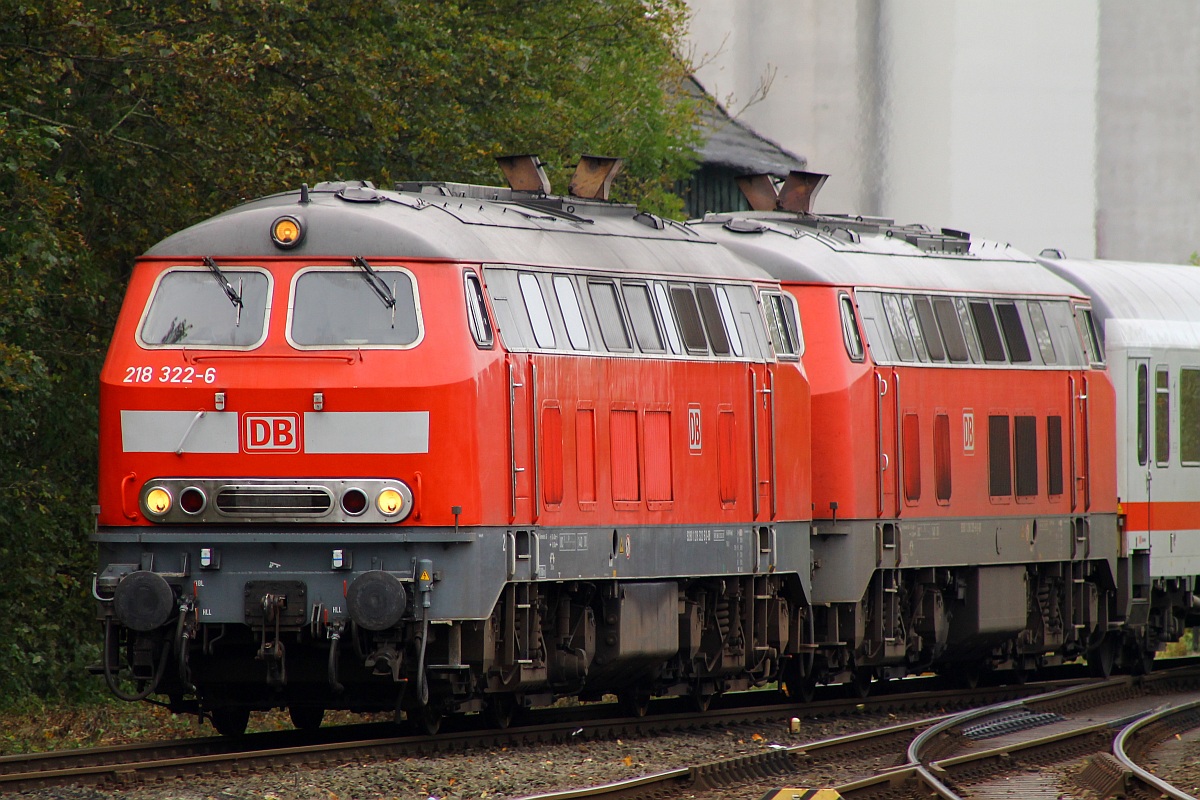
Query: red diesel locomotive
[[446, 449]]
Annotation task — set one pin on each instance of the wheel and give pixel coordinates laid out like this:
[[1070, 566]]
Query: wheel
[[427, 719], [306, 718], [965, 675], [703, 700], [1101, 657], [501, 709], [634, 702], [230, 721], [860, 684]]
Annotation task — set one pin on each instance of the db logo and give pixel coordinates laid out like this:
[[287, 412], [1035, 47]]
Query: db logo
[[275, 433], [694, 440]]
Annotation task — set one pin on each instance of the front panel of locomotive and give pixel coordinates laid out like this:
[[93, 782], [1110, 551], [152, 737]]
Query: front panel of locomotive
[[267, 474]]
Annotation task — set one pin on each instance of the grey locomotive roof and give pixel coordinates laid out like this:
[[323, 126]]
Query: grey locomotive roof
[[1146, 305], [462, 223], [857, 251]]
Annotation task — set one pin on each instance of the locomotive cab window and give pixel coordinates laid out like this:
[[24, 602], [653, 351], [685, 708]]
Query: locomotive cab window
[[735, 338], [371, 306], [783, 322], [929, 328], [1091, 339], [206, 307], [850, 336], [477, 316]]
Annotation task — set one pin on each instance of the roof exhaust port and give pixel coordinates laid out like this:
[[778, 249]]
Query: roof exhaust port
[[759, 191], [524, 173], [799, 191], [594, 176]]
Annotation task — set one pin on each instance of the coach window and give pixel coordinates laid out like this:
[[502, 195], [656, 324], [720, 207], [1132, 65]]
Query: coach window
[[850, 336], [899, 328], [929, 328], [477, 316], [608, 314], [355, 307], [989, 334], [668, 318], [190, 307], [735, 338], [783, 323], [1162, 417], [1014, 333], [952, 334], [535, 304], [568, 302], [1041, 332], [711, 315], [968, 329], [1189, 416], [689, 320], [1143, 414]]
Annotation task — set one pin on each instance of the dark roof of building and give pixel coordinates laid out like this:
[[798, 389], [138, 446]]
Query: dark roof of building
[[730, 144]]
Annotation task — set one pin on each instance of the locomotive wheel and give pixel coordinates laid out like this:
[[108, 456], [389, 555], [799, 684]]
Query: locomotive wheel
[[306, 718], [1101, 657], [860, 684], [427, 719], [230, 721], [501, 709], [634, 702]]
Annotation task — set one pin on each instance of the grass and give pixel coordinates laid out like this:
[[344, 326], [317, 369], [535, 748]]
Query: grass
[[47, 726]]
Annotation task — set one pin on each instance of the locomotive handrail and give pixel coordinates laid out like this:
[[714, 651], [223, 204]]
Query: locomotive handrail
[[754, 439], [1074, 444], [774, 467], [898, 472], [535, 487]]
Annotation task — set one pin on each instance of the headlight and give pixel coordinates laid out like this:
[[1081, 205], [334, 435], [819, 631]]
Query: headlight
[[158, 501], [390, 502]]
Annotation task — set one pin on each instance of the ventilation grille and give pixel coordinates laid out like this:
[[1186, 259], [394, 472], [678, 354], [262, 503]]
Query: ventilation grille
[[274, 500]]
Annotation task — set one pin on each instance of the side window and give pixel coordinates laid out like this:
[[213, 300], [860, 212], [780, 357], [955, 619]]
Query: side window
[[1189, 416], [712, 320], [535, 305], [783, 324], [689, 320], [989, 334], [853, 342], [1087, 330], [568, 303], [641, 316], [952, 333], [929, 328], [1041, 332], [1143, 414], [608, 314], [968, 329], [895, 319], [1014, 333], [735, 338], [477, 316], [1162, 416], [910, 316], [668, 318]]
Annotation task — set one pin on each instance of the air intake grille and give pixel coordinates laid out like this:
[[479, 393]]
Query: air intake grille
[[274, 500]]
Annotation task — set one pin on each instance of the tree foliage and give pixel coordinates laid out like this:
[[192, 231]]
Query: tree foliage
[[123, 121]]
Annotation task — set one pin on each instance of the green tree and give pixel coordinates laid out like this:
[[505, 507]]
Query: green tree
[[124, 120]]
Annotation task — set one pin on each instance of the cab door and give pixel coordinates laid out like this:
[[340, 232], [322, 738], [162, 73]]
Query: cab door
[[887, 459], [762, 421]]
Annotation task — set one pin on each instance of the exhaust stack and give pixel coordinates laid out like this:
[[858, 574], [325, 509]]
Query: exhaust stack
[[799, 191], [594, 176], [524, 173]]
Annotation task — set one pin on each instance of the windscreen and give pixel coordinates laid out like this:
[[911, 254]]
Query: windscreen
[[191, 308], [346, 308]]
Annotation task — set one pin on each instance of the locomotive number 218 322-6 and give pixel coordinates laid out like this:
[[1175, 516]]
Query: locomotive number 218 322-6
[[170, 375]]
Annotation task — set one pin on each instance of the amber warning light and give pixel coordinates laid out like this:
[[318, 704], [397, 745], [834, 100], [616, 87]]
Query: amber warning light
[[287, 231]]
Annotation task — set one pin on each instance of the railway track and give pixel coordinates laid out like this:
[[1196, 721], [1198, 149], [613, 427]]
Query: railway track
[[134, 764], [1022, 748]]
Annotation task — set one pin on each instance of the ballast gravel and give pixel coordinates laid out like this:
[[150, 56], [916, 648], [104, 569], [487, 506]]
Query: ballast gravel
[[507, 772]]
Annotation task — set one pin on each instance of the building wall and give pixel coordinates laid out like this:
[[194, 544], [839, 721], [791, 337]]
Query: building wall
[[1069, 124]]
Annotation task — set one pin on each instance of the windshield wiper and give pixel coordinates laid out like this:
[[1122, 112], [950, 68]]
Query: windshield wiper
[[230, 292], [377, 285]]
